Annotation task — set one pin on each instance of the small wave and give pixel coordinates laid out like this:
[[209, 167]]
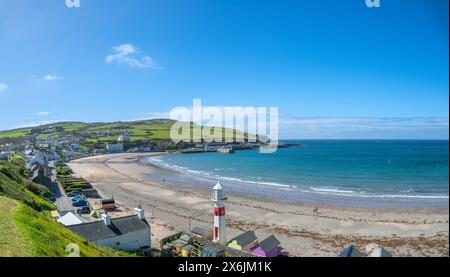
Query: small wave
[[255, 182], [331, 190], [367, 195], [319, 190]]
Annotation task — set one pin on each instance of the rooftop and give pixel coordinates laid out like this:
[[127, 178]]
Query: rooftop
[[269, 243], [119, 226], [245, 238]]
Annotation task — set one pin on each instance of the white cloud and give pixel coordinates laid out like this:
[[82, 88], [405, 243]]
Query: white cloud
[[38, 123], [3, 87], [42, 113], [53, 77], [128, 54]]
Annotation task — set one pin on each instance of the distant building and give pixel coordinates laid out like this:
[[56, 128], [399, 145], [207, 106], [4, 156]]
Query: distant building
[[6, 155], [130, 233], [40, 162], [123, 138], [53, 156], [75, 146], [68, 153], [114, 148], [38, 176]]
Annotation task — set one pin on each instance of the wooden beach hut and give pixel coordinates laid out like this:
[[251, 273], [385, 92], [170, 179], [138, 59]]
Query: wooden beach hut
[[244, 242], [270, 247], [351, 251]]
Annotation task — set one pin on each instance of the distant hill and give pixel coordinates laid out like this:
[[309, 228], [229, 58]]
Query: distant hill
[[26, 227], [156, 131]]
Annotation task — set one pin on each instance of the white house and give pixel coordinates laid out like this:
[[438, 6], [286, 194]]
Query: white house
[[114, 148], [124, 137], [129, 233]]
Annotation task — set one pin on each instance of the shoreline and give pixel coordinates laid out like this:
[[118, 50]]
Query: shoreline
[[171, 208]]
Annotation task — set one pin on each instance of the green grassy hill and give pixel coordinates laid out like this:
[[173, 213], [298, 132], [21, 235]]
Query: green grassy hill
[[26, 227], [156, 130]]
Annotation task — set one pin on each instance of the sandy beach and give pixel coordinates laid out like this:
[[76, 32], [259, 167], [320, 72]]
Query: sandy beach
[[171, 208]]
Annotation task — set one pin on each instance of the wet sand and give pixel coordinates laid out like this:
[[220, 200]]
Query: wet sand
[[171, 207]]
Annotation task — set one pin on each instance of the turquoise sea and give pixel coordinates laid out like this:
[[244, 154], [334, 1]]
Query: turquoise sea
[[412, 171]]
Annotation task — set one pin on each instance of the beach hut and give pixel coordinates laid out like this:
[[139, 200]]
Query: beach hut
[[177, 245], [186, 239], [203, 232], [108, 204], [186, 251], [244, 242], [351, 251], [375, 250], [270, 247], [213, 251]]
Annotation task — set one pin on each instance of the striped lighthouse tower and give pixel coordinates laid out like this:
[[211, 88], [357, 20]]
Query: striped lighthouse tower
[[220, 225]]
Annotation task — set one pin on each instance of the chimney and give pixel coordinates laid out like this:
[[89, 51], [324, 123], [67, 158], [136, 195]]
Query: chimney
[[106, 219], [140, 212]]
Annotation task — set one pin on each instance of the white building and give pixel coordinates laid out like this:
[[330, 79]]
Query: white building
[[123, 138], [129, 233], [114, 148]]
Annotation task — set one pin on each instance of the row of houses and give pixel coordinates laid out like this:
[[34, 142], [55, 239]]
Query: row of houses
[[114, 148], [6, 154]]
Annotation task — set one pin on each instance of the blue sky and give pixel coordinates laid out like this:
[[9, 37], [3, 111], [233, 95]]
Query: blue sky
[[335, 69]]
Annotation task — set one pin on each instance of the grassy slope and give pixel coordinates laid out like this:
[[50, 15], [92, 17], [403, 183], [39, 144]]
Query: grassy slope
[[12, 242], [14, 184], [139, 130], [26, 227]]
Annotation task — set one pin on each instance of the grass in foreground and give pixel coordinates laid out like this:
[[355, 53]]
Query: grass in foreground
[[26, 227]]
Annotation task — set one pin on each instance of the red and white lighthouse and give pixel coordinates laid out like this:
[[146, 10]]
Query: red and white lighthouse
[[220, 225]]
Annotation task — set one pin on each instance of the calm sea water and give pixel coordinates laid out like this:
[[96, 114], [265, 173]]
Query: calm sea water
[[363, 168]]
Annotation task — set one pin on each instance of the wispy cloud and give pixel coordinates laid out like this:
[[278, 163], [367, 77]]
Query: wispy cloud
[[152, 115], [3, 87], [42, 113], [128, 54], [37, 123], [53, 77]]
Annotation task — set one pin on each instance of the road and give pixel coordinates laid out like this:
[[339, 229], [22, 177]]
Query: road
[[62, 202]]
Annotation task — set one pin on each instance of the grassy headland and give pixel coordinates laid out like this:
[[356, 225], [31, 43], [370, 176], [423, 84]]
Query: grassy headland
[[95, 135]]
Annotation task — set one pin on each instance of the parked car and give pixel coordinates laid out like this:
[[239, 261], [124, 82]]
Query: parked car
[[78, 197], [79, 203], [74, 193], [84, 210]]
